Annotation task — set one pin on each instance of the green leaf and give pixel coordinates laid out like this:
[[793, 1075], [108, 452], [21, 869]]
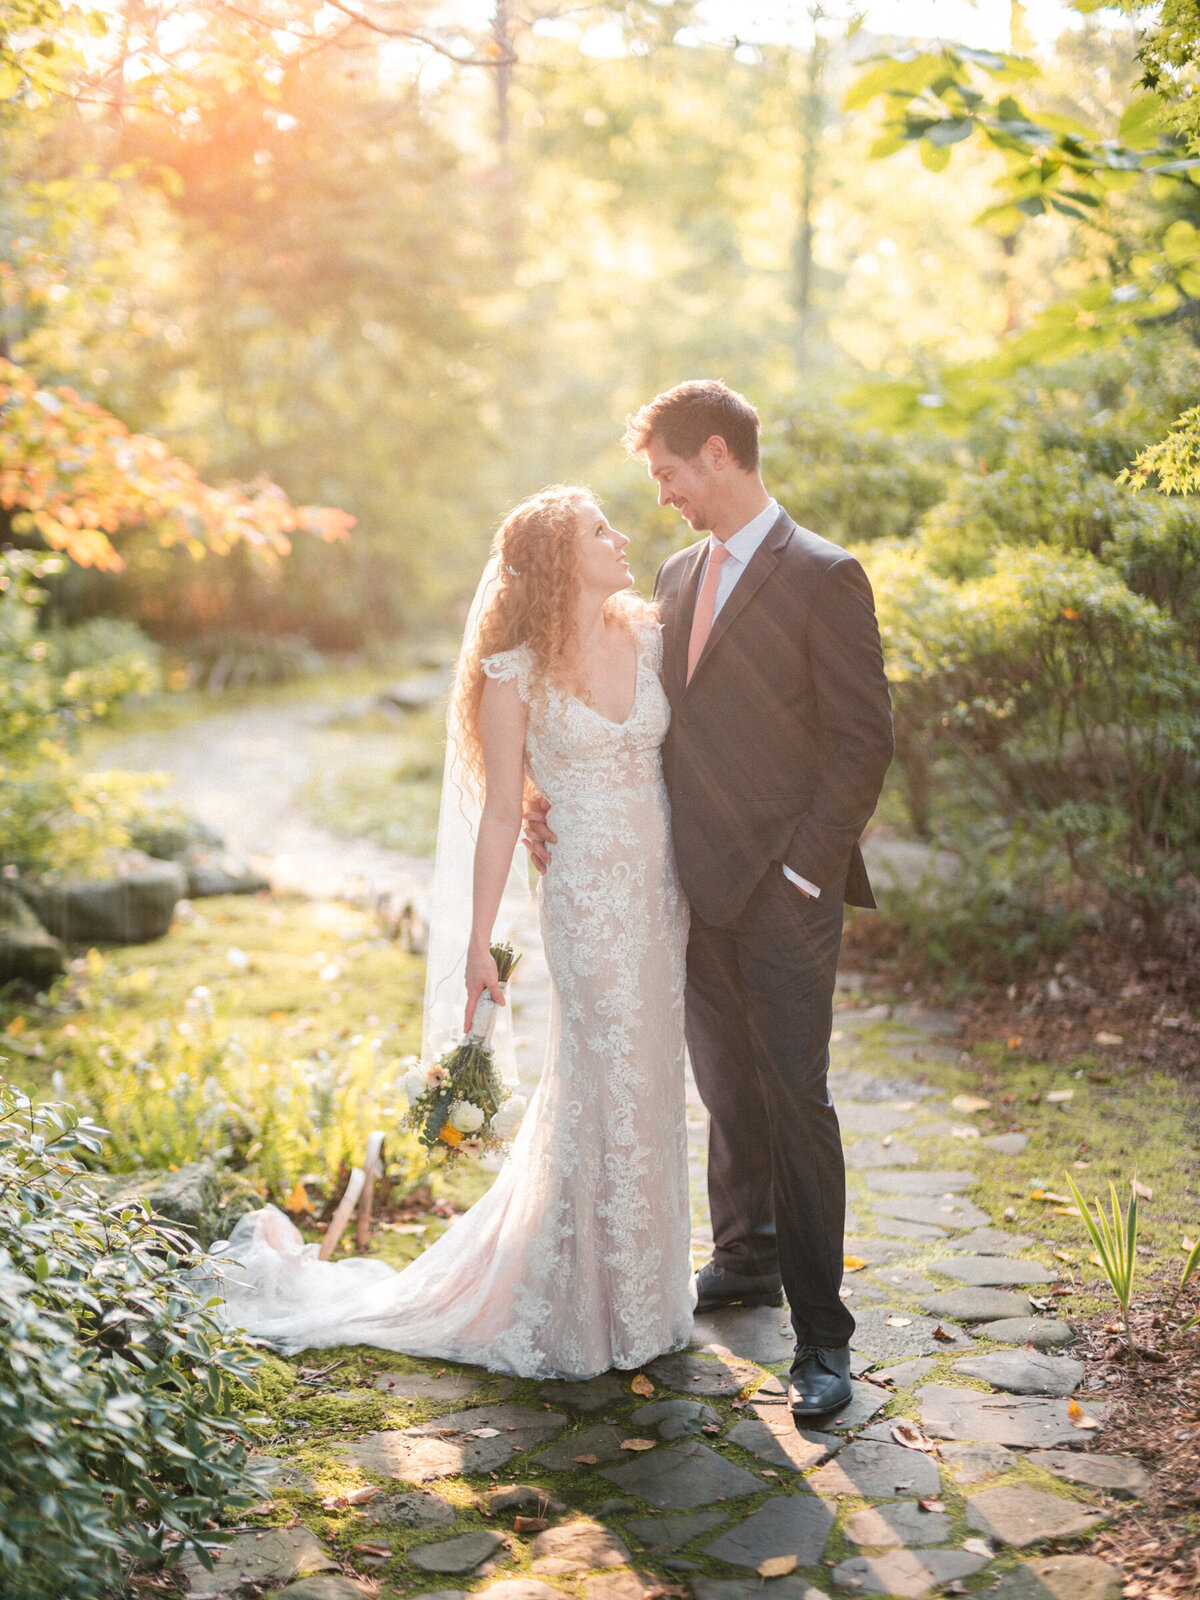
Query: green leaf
[[936, 158], [1141, 121]]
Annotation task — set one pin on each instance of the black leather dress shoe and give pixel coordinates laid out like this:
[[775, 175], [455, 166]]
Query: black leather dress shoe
[[819, 1380], [716, 1287]]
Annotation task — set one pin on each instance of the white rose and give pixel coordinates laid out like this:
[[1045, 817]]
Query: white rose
[[467, 1118], [414, 1084], [508, 1119]]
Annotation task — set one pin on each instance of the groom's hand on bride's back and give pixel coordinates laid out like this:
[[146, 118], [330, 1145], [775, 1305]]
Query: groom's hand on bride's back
[[538, 835]]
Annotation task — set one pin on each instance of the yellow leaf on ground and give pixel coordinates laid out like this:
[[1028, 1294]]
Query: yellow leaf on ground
[[969, 1103], [1063, 1255], [586, 1461], [1064, 1211], [1049, 1194], [1059, 1097], [911, 1437], [853, 1263], [1187, 1244], [1095, 1259], [642, 1385], [777, 1566], [637, 1444], [298, 1200], [1142, 1192], [1079, 1416]]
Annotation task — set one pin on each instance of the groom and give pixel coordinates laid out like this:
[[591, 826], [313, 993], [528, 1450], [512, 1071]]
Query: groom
[[781, 734]]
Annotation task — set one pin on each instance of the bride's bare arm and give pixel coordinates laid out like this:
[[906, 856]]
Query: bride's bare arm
[[502, 718]]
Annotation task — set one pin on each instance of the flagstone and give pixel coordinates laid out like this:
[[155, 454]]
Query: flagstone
[[332, 1586], [796, 1524], [775, 1439], [975, 1305], [424, 1386], [273, 1474], [866, 1154], [1122, 1476], [592, 1394], [1025, 1371], [420, 1509], [690, 1374], [1061, 1578], [270, 1555], [683, 1477], [577, 1547], [900, 1524], [906, 1373], [983, 1271], [464, 1554], [788, 1588], [511, 1589], [921, 1183], [622, 1586], [675, 1419], [878, 1471], [873, 1251], [865, 1400], [665, 1535], [1044, 1333], [973, 1463], [876, 1336], [430, 1450], [906, 1280], [871, 1118], [604, 1441], [1018, 1516], [751, 1333], [906, 1573], [992, 1242], [937, 1210], [1007, 1144], [952, 1413], [510, 1498], [894, 1228]]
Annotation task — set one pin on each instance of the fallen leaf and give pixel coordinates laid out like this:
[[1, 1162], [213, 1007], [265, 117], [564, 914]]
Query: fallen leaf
[[642, 1385], [740, 1403], [637, 1444], [898, 1322], [1049, 1194], [712, 1429], [587, 1461], [1081, 1166], [911, 1437], [1142, 1192], [886, 1141], [298, 1200], [16, 1026], [978, 1547], [530, 1525], [853, 1263], [964, 1133], [1079, 1416], [374, 1549], [968, 1104], [769, 1472], [1058, 1097], [1015, 1041], [1062, 1255], [931, 1505], [777, 1566], [1064, 1211], [482, 1433], [1103, 1038], [1095, 1259], [940, 1334], [1187, 1244]]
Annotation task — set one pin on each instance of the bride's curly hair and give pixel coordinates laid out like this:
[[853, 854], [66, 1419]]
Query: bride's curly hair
[[537, 551]]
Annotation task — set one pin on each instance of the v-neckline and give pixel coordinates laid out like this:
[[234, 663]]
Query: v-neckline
[[624, 722]]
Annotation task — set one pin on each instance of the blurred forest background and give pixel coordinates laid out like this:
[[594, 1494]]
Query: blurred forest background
[[409, 262]]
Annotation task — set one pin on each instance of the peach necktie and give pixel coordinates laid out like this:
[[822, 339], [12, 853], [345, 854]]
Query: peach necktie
[[706, 604]]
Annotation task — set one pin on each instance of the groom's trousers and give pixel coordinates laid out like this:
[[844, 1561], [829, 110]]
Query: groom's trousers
[[759, 1015]]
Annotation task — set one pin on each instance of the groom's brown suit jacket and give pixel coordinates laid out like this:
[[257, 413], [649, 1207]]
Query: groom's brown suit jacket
[[778, 746]]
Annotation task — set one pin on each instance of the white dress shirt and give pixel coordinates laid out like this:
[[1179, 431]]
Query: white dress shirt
[[739, 548]]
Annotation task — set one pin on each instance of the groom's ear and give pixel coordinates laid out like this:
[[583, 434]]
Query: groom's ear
[[715, 453]]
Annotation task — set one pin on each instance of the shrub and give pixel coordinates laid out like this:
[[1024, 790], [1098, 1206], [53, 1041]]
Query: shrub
[[120, 1434]]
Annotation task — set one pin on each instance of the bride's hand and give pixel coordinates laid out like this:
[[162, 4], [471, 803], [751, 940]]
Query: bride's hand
[[481, 974]]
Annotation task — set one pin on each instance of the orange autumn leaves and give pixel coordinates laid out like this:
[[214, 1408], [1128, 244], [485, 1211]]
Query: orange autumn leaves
[[74, 473]]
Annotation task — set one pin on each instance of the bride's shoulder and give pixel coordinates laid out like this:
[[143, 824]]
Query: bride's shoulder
[[511, 666], [644, 623]]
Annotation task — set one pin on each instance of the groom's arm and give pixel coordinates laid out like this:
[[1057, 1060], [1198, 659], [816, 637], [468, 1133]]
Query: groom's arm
[[855, 712]]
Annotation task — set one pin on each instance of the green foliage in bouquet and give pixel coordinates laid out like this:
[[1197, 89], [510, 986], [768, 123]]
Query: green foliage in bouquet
[[120, 1433], [460, 1106]]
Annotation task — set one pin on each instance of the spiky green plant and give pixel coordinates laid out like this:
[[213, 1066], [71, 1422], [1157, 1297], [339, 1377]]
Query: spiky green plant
[[1115, 1240], [1189, 1268]]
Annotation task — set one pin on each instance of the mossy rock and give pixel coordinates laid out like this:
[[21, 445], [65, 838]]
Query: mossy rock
[[132, 906], [28, 954], [199, 1198]]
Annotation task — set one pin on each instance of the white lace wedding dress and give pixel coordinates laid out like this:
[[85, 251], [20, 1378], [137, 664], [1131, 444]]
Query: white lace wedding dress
[[577, 1258]]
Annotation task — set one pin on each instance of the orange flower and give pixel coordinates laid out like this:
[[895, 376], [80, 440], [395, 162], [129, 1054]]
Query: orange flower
[[449, 1135]]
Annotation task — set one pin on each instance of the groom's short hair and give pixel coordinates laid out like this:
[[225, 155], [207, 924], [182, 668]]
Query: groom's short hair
[[687, 416]]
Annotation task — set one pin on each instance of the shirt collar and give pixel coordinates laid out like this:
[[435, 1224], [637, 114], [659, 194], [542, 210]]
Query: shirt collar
[[742, 544]]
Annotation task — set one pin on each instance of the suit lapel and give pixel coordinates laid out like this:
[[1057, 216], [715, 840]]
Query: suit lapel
[[680, 621], [762, 563]]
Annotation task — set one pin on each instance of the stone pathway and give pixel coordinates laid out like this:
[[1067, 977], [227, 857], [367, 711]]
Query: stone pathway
[[970, 1453]]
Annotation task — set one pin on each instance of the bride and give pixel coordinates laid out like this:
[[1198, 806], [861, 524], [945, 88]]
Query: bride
[[577, 1258]]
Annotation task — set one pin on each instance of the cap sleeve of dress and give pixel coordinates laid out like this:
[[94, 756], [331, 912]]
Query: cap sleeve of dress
[[650, 643], [508, 666]]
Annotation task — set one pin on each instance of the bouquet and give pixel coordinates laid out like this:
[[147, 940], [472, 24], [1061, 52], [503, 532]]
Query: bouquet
[[459, 1106]]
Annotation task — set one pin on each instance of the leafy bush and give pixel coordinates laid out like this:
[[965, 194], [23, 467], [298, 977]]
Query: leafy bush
[[186, 1090], [120, 1434]]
